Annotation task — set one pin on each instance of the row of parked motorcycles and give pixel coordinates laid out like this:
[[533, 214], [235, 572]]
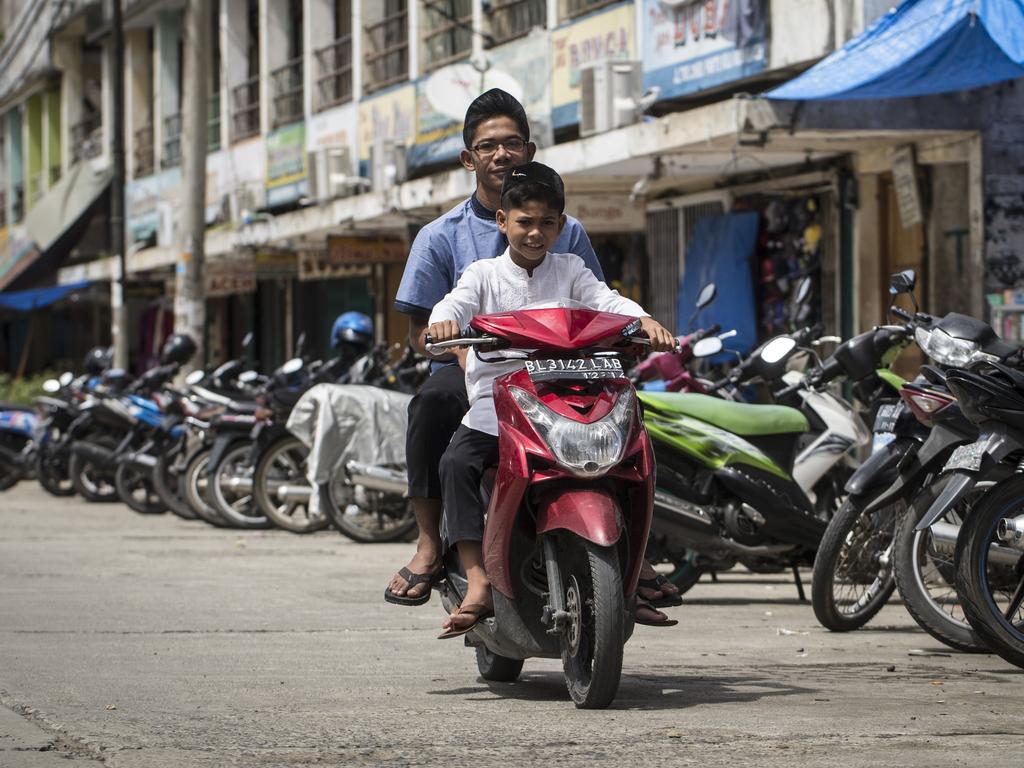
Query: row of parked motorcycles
[[218, 448]]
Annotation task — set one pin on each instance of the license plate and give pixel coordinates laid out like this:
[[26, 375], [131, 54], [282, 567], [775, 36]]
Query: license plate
[[886, 418], [587, 368], [967, 457]]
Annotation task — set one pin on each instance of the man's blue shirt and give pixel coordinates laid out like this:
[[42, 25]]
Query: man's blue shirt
[[467, 233]]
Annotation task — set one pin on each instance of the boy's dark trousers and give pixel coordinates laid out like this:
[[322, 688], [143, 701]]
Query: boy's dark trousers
[[434, 415], [469, 454]]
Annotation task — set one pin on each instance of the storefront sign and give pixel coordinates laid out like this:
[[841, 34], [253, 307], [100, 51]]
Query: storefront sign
[[694, 45], [224, 278], [286, 164], [274, 264], [390, 115], [345, 254], [333, 128], [606, 213], [601, 37], [904, 178]]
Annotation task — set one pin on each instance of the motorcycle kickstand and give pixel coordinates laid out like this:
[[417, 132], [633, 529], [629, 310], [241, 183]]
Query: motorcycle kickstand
[[799, 582]]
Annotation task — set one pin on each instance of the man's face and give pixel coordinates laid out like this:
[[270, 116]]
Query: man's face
[[490, 157], [531, 229]]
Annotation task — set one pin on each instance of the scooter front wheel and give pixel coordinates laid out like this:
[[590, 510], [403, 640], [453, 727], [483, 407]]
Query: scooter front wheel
[[595, 631], [135, 489]]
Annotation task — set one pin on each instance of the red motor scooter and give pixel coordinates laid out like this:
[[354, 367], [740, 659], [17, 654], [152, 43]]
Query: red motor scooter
[[570, 503]]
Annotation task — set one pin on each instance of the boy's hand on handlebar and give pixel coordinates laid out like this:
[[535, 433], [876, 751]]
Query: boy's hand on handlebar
[[445, 330], [661, 339]]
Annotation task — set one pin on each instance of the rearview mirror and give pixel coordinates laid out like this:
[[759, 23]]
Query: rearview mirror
[[66, 378], [712, 345], [777, 349], [51, 386], [195, 377], [706, 296], [247, 377], [292, 366], [300, 344], [247, 340], [803, 290], [903, 282]]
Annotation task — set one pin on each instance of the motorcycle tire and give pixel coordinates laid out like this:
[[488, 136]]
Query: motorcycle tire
[[53, 471], [593, 640], [166, 485], [236, 506], [11, 474], [91, 482], [194, 488], [853, 575], [284, 462], [495, 668], [992, 592], [363, 526], [918, 577], [135, 488]]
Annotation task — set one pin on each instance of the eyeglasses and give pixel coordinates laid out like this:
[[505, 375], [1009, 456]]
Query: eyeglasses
[[514, 146]]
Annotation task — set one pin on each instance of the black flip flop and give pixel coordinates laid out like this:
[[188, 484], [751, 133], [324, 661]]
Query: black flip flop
[[412, 579], [665, 601], [483, 612], [641, 603]]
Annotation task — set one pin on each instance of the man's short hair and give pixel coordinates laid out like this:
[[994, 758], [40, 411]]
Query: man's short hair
[[494, 103], [532, 182]]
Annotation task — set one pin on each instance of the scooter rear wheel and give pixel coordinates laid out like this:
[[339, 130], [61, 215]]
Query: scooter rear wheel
[[135, 489], [593, 639]]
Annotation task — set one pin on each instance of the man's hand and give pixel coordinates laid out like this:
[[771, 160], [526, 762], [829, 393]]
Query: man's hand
[[661, 339]]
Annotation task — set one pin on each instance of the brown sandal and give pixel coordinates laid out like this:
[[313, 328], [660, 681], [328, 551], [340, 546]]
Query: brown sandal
[[478, 610]]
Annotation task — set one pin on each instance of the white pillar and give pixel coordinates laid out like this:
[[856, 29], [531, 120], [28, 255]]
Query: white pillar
[[413, 34]]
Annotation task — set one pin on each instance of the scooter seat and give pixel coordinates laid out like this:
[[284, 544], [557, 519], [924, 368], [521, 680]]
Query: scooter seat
[[744, 419]]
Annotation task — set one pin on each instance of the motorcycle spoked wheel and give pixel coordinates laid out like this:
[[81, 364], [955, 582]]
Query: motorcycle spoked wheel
[[923, 574], [194, 486], [92, 482], [53, 470], [853, 575], [992, 593], [284, 463], [166, 485], [9, 473], [235, 505], [392, 519], [592, 642], [135, 488]]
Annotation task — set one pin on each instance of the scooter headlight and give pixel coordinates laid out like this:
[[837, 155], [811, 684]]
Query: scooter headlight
[[586, 450], [946, 350]]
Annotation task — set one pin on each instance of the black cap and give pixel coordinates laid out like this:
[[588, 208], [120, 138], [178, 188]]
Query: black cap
[[533, 173]]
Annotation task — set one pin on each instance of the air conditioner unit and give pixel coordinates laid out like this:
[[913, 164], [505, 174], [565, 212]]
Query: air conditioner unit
[[387, 163], [243, 199], [330, 173], [612, 95]]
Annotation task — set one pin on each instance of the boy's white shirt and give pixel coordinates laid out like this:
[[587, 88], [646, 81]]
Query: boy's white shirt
[[500, 285]]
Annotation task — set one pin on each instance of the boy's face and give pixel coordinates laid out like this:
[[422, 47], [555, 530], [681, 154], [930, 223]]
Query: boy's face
[[531, 229], [491, 157]]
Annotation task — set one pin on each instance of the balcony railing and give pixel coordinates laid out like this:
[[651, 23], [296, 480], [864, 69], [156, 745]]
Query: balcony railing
[[334, 73], [286, 81], [171, 155], [213, 124], [87, 137], [514, 18], [144, 163], [387, 55], [450, 36], [245, 110], [571, 8]]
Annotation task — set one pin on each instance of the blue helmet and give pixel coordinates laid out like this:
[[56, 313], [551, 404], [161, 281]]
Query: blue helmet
[[352, 328]]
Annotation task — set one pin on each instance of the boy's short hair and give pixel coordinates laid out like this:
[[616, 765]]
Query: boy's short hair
[[532, 182], [494, 103]]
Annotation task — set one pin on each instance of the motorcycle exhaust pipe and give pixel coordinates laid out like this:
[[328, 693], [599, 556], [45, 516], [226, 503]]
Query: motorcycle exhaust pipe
[[143, 461], [1011, 532], [94, 453], [239, 484], [377, 478], [296, 494], [943, 542]]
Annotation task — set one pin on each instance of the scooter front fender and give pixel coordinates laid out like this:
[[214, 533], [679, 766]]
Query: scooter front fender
[[590, 513]]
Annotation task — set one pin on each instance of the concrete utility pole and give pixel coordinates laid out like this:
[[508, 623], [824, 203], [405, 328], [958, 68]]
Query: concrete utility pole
[[119, 318], [189, 281]]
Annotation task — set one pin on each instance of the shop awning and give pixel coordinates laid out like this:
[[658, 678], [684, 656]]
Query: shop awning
[[26, 301], [921, 47], [53, 225]]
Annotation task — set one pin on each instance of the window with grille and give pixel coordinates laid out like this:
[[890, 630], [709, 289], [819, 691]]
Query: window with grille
[[448, 34], [386, 44], [572, 8], [334, 61], [510, 19]]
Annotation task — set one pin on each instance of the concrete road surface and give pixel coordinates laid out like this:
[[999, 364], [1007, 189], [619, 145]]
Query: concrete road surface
[[139, 642]]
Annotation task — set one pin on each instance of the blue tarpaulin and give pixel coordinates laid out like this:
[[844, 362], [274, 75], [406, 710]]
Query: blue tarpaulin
[[719, 252], [919, 48], [26, 301]]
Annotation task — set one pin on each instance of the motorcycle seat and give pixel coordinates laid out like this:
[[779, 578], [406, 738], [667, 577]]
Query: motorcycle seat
[[744, 419]]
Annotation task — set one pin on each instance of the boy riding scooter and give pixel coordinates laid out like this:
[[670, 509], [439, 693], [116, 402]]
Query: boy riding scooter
[[531, 217]]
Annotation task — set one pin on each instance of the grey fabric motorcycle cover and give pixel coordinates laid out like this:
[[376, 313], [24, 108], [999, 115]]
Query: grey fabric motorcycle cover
[[345, 422]]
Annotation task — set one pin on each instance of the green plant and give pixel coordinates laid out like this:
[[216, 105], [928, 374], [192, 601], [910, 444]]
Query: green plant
[[21, 391]]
